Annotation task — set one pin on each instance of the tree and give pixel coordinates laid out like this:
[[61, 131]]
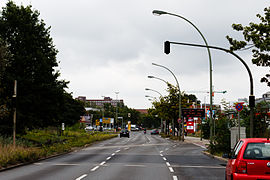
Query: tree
[[168, 106], [259, 36], [42, 100], [5, 102]]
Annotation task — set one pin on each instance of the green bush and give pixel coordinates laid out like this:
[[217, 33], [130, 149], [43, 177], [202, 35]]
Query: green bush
[[38, 144]]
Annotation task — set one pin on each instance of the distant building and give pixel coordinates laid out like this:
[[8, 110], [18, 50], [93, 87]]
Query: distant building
[[265, 98], [101, 102], [142, 111]]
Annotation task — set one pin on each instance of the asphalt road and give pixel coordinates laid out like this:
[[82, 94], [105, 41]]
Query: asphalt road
[[137, 158]]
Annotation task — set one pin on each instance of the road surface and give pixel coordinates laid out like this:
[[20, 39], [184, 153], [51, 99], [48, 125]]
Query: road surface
[[142, 156]]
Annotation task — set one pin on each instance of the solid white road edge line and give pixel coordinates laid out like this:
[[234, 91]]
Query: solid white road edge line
[[81, 177], [95, 168], [175, 178]]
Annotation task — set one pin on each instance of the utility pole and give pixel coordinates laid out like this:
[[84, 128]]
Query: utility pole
[[116, 109], [14, 115]]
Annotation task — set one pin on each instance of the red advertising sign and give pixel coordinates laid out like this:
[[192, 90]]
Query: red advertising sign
[[190, 126]]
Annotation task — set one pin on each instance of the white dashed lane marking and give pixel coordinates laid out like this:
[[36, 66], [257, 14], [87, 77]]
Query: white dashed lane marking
[[171, 169], [81, 177], [95, 168], [175, 178], [102, 163]]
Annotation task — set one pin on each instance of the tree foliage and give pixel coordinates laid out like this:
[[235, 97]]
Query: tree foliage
[[41, 99], [258, 34]]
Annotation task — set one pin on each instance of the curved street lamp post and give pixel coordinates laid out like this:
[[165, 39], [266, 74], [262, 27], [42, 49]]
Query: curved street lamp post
[[179, 115], [251, 95], [158, 12], [161, 123]]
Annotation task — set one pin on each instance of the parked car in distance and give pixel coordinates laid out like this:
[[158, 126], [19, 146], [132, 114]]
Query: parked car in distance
[[155, 131], [250, 159], [89, 128], [124, 133]]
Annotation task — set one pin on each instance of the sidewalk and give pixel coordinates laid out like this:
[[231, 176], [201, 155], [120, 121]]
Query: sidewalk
[[204, 143], [197, 141]]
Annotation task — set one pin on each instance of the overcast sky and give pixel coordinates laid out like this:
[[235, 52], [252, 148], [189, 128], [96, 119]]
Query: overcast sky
[[108, 46]]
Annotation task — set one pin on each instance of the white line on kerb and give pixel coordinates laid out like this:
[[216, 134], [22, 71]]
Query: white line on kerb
[[171, 169], [108, 158], [102, 163], [168, 164], [164, 159], [95, 168], [175, 178], [81, 177]]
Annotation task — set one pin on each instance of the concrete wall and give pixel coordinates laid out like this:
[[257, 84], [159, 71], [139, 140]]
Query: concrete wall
[[235, 134]]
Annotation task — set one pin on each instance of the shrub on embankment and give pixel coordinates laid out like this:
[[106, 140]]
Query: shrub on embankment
[[39, 144]]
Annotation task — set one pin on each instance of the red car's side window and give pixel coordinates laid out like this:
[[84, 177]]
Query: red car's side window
[[237, 149]]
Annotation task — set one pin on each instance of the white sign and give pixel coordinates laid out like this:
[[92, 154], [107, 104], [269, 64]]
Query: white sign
[[63, 126]]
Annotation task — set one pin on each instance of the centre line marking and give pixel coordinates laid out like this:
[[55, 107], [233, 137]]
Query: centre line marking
[[108, 158], [168, 164], [175, 178], [81, 177], [102, 163], [113, 154], [95, 168], [171, 169]]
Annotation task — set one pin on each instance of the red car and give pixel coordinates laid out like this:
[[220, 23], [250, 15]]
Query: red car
[[250, 159]]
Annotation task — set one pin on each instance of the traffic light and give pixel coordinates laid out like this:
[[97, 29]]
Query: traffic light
[[251, 101], [167, 47]]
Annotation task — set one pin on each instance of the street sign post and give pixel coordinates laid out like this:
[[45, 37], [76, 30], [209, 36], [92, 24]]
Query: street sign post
[[239, 107]]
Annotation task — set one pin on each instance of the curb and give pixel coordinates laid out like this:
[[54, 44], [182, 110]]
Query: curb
[[213, 156], [31, 162]]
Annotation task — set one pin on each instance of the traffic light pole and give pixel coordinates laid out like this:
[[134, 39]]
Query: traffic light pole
[[251, 96]]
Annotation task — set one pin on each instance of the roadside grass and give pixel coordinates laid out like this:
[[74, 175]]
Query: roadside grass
[[38, 144]]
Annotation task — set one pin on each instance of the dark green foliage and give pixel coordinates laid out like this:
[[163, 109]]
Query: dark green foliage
[[206, 130], [222, 140], [259, 37], [260, 123], [41, 98]]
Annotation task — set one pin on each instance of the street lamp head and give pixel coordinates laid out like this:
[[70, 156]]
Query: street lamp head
[[147, 96], [150, 76], [147, 89], [155, 64], [158, 12]]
